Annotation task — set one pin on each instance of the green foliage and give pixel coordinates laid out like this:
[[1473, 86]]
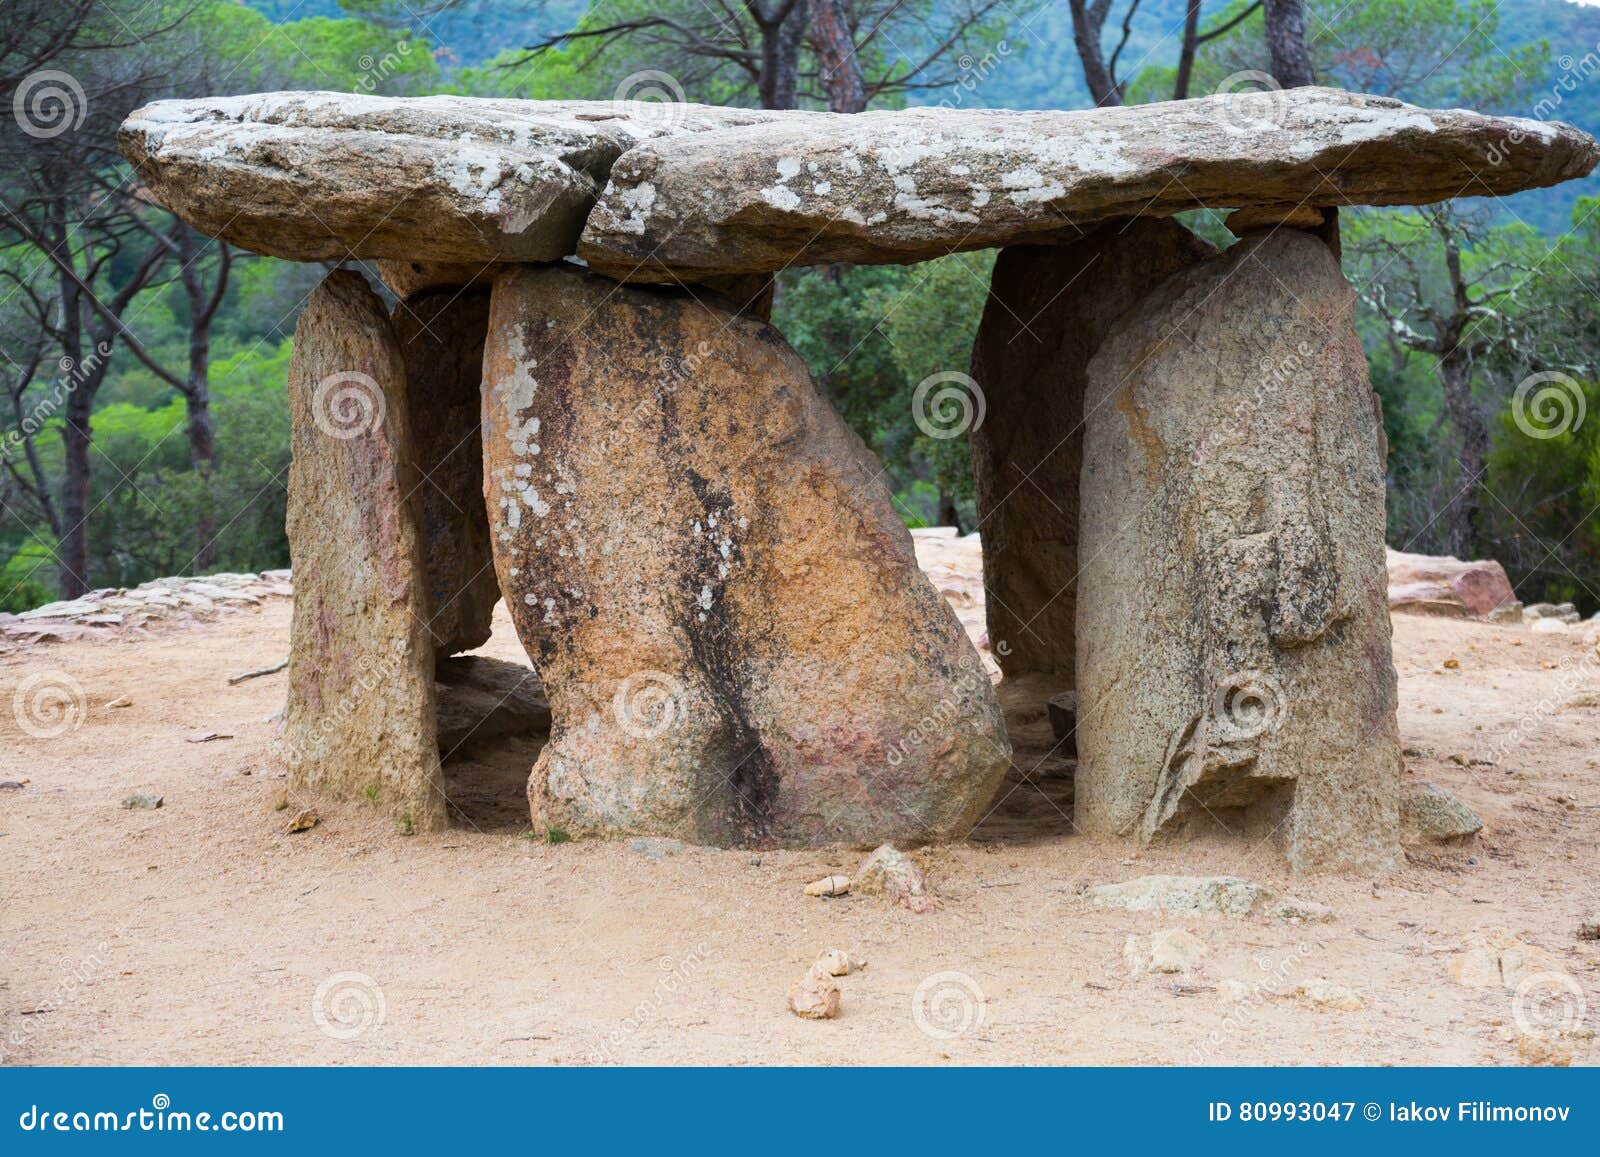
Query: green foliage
[[870, 335]]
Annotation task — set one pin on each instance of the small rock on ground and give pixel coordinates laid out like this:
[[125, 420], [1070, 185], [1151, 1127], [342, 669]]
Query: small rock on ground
[[1435, 814], [142, 801], [1225, 895], [815, 996], [1323, 993], [829, 886], [1171, 950], [890, 872]]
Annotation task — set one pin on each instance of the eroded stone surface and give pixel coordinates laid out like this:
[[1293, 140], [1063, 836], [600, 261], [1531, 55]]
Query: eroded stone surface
[[1049, 308], [1233, 636], [360, 716], [331, 176], [441, 336], [705, 568], [909, 184]]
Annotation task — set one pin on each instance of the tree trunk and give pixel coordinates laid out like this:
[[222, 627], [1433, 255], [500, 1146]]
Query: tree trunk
[[1286, 43], [1462, 517], [1191, 41], [1086, 35], [74, 546], [837, 65], [779, 83]]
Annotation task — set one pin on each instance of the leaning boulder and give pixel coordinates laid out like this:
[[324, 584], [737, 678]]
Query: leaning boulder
[[1233, 636], [360, 716], [705, 566]]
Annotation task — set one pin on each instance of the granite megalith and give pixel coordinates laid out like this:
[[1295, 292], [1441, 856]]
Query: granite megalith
[[1234, 665], [704, 565]]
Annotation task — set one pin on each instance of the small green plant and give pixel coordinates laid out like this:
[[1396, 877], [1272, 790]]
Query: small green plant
[[408, 826], [555, 835], [371, 791]]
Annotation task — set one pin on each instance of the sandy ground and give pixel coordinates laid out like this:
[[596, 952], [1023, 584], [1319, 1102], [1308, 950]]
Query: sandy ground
[[200, 933]]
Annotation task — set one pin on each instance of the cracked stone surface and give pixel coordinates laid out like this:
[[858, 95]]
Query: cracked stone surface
[[906, 185], [706, 569], [323, 176], [1233, 633]]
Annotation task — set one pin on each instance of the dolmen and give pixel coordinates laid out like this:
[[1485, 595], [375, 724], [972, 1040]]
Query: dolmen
[[578, 404]]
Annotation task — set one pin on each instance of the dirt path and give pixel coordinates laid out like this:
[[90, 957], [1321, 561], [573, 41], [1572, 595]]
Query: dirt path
[[198, 933]]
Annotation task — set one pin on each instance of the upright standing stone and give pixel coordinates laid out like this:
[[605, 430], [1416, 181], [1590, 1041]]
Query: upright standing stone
[[704, 564], [1233, 638], [360, 716], [1049, 307], [441, 336]]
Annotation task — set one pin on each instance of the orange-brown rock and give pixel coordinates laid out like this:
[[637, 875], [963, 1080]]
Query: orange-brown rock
[[441, 336], [1424, 584], [1233, 636], [360, 715], [705, 566]]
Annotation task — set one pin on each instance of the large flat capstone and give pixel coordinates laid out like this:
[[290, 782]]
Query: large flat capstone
[[331, 176], [686, 192]]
